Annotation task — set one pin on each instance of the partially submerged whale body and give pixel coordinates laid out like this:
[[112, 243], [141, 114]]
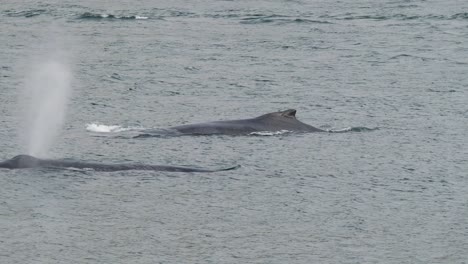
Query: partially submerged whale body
[[26, 161], [272, 122]]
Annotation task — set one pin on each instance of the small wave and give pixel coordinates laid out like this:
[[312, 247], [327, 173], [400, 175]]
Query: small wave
[[352, 129], [441, 91], [460, 16], [116, 76], [279, 19], [408, 56], [178, 13], [377, 17], [269, 133], [94, 16], [25, 13], [100, 128], [260, 18], [365, 17]]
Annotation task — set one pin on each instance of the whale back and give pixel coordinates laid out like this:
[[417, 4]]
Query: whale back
[[272, 122], [21, 161], [26, 161]]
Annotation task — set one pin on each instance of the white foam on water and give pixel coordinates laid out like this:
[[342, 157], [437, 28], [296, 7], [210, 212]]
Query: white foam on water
[[346, 129], [101, 128], [269, 133], [140, 17]]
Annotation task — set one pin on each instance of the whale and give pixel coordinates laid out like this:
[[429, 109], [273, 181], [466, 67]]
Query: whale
[[271, 122], [27, 161]]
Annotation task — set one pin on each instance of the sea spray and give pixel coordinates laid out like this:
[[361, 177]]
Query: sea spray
[[47, 90]]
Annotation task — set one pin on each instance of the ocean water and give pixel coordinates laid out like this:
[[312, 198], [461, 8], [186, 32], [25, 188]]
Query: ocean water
[[397, 194]]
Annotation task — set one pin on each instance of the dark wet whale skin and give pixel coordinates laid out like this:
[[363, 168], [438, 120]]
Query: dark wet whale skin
[[271, 122], [26, 161]]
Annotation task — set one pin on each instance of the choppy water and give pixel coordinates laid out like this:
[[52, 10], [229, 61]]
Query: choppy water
[[393, 195]]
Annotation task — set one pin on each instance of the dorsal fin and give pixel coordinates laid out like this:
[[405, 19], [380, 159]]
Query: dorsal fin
[[289, 113]]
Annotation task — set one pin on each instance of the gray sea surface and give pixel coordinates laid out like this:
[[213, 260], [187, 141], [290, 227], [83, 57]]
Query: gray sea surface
[[397, 194]]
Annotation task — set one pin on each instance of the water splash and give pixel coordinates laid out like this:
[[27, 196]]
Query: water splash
[[47, 91], [101, 128]]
